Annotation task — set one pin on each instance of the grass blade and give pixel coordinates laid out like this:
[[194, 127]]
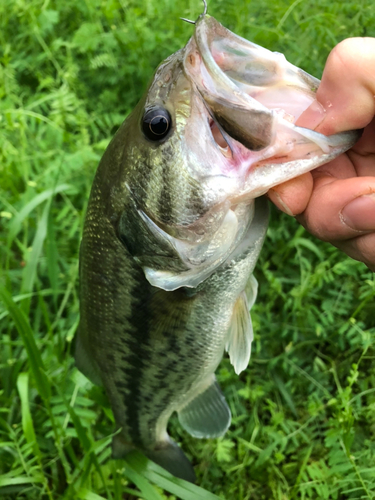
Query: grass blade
[[14, 481], [86, 494], [27, 423], [141, 482], [52, 257], [27, 336], [16, 224], [156, 474], [29, 272], [285, 394]]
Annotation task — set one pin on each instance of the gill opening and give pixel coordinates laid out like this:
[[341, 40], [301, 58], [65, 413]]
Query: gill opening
[[219, 139]]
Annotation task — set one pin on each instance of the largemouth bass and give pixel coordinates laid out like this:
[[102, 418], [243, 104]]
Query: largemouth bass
[[173, 230]]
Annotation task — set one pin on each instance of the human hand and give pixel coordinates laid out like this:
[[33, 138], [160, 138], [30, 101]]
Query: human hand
[[336, 202]]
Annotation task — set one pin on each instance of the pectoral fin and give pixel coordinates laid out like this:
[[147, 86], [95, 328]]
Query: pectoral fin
[[241, 332], [251, 291], [207, 415]]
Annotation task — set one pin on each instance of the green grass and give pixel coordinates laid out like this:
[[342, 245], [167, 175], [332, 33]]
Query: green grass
[[304, 411]]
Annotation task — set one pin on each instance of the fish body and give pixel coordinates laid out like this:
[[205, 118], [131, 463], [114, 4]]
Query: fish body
[[173, 230]]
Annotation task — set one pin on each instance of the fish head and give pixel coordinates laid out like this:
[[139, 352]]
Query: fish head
[[215, 130]]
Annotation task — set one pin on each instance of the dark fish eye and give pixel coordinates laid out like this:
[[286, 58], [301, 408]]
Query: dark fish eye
[[156, 123]]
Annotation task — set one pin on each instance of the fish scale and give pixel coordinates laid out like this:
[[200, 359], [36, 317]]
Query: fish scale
[[147, 355], [173, 230]]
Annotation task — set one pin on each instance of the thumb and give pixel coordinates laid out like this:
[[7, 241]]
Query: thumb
[[346, 93], [348, 208]]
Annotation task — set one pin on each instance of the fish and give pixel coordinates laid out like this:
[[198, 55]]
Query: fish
[[174, 226]]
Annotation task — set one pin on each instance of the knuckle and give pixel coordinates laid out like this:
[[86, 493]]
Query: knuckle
[[366, 250], [340, 56], [349, 53], [317, 226], [361, 248]]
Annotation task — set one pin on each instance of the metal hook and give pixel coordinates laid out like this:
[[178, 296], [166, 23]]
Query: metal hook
[[203, 14]]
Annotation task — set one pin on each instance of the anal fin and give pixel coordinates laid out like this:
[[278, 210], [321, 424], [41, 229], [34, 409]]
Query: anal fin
[[251, 290], [207, 415]]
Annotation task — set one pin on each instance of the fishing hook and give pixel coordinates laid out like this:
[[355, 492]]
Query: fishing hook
[[203, 14]]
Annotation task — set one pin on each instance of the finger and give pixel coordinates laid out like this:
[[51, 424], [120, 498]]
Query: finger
[[347, 88], [361, 248], [366, 144], [362, 155], [340, 168], [292, 196], [340, 209]]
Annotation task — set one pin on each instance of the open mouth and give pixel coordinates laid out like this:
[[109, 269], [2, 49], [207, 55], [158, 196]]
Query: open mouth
[[254, 98], [219, 138], [246, 87]]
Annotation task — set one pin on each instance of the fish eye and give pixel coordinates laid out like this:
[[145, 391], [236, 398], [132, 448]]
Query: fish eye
[[156, 123]]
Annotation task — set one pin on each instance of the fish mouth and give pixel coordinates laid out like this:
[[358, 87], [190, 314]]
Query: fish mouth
[[254, 98]]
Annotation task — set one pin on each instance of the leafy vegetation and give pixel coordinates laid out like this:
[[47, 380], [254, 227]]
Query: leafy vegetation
[[304, 411]]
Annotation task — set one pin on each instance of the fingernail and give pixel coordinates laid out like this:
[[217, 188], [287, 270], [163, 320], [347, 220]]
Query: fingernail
[[277, 200], [359, 214], [312, 116]]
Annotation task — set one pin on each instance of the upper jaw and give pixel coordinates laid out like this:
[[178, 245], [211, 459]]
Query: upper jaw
[[254, 97]]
